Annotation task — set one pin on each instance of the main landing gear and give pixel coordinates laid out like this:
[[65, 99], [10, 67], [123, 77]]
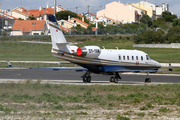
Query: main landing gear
[[115, 79], [86, 77], [148, 80]]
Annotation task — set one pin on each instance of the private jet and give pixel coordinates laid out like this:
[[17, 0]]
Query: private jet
[[95, 60], [100, 61]]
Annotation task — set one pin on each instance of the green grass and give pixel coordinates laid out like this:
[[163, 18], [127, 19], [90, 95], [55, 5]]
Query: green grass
[[79, 100], [11, 49]]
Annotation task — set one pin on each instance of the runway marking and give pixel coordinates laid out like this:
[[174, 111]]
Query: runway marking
[[79, 82]]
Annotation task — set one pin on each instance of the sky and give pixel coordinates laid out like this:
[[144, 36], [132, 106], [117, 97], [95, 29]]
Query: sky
[[82, 5]]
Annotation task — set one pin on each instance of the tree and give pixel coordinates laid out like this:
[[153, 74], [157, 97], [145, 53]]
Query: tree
[[176, 22], [31, 18], [63, 15], [150, 37], [158, 23], [165, 13], [168, 16], [146, 20], [173, 35], [20, 19]]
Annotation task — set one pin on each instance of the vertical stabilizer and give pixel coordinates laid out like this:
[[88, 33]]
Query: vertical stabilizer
[[57, 37]]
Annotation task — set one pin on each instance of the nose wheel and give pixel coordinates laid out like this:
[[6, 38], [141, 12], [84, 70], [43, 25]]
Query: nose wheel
[[148, 80]]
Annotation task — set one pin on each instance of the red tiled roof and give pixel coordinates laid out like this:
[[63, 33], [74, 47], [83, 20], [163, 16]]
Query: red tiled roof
[[81, 21], [109, 18], [28, 25], [62, 8], [65, 29], [7, 16], [47, 11], [24, 11], [33, 12], [92, 14], [37, 13], [94, 28], [80, 15]]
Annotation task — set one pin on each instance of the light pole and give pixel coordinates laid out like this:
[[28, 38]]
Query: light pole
[[54, 7]]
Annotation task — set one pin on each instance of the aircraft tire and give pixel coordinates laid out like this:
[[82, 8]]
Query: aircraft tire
[[84, 79], [89, 79], [116, 80], [148, 80], [111, 79]]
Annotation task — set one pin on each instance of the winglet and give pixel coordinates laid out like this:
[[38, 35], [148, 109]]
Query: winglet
[[9, 63]]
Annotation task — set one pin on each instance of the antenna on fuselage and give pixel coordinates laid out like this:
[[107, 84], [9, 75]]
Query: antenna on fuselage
[[117, 48], [103, 47]]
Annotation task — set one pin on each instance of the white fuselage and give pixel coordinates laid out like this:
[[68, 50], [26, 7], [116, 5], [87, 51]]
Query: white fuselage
[[114, 59]]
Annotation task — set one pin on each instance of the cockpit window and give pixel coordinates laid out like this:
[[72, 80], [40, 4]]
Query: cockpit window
[[147, 57]]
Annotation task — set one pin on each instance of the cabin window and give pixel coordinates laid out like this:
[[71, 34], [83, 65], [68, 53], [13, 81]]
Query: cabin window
[[74, 21], [119, 57], [136, 57], [123, 57], [147, 57], [127, 57], [132, 57], [141, 57]]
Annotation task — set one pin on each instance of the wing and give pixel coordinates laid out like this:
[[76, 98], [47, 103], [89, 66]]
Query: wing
[[138, 71], [58, 68]]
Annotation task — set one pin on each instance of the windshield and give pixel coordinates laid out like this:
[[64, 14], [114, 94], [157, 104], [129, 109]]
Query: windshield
[[147, 57]]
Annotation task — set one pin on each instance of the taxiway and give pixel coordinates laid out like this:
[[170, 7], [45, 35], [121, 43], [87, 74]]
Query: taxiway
[[70, 76]]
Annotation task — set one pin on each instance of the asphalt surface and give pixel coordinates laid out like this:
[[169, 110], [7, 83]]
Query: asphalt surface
[[70, 75]]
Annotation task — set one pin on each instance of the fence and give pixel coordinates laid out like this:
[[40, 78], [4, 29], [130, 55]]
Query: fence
[[172, 45]]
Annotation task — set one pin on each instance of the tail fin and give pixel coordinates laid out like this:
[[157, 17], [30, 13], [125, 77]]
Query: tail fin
[[57, 36]]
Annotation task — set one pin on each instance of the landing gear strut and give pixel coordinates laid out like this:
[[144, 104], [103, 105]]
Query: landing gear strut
[[86, 77], [115, 79], [148, 80]]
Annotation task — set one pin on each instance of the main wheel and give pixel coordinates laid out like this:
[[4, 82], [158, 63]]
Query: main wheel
[[88, 79], [84, 79], [148, 80], [116, 80], [111, 79]]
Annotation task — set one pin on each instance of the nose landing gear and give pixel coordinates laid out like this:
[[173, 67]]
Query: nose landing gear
[[148, 80]]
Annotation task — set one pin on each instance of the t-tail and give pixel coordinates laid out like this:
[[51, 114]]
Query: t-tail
[[59, 42]]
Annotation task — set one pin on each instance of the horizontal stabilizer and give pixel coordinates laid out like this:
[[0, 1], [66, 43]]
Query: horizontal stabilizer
[[70, 43], [37, 42]]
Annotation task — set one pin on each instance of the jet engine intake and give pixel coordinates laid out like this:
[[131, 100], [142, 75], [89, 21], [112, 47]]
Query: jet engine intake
[[89, 51]]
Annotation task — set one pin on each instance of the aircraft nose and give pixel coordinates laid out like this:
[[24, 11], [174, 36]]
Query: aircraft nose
[[157, 64]]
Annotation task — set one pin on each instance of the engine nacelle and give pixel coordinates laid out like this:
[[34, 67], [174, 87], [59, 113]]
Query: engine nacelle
[[89, 51]]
